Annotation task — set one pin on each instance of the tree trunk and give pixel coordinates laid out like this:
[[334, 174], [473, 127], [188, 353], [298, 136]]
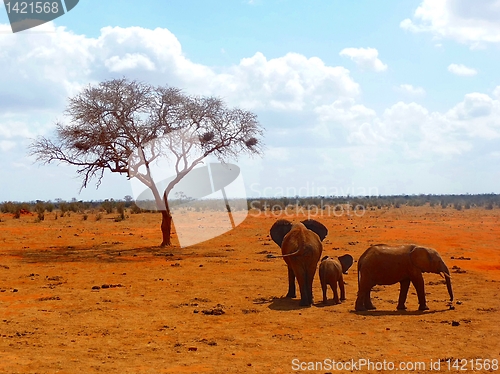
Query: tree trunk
[[166, 226]]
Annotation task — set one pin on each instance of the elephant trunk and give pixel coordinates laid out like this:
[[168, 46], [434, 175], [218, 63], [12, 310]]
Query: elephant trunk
[[447, 278]]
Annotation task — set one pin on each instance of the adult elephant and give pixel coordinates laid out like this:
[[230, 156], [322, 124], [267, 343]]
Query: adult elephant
[[382, 264], [301, 249]]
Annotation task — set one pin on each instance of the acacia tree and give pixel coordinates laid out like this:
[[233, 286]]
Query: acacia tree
[[123, 126]]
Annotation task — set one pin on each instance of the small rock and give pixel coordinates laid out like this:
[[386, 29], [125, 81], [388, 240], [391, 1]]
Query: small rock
[[455, 323], [96, 288], [459, 302], [452, 307], [192, 349]]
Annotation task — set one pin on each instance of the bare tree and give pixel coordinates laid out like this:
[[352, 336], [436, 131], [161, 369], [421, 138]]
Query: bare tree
[[123, 126]]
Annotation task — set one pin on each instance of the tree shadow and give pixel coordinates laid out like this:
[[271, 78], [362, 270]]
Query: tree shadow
[[109, 253]]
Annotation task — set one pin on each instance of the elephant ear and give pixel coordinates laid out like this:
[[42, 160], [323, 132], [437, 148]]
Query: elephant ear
[[346, 261], [317, 227], [278, 231], [420, 257]]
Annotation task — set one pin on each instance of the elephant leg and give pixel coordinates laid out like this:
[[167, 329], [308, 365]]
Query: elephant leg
[[291, 283], [324, 288], [403, 293], [368, 300], [342, 289], [303, 287], [335, 293], [359, 306], [418, 283], [363, 289]]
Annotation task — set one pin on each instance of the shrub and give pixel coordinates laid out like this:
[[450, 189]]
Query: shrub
[[134, 209], [120, 208], [108, 205], [40, 210]]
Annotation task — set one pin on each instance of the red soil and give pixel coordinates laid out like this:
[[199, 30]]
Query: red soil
[[217, 306]]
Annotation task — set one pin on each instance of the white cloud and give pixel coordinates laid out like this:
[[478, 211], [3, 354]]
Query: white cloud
[[278, 153], [478, 116], [461, 70], [7, 145], [129, 62], [413, 132], [496, 92], [285, 83], [40, 71], [410, 90], [13, 128], [469, 22], [366, 58]]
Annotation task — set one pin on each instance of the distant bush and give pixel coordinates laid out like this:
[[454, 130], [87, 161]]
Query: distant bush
[[40, 210], [108, 205], [134, 209], [120, 209]]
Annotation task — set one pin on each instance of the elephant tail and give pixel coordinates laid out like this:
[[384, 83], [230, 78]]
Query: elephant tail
[[287, 255], [359, 272]]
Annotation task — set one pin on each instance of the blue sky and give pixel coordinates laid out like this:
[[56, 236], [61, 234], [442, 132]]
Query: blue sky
[[385, 97]]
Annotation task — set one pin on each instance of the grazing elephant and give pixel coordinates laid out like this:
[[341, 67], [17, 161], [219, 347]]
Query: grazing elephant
[[330, 273], [301, 249], [383, 264]]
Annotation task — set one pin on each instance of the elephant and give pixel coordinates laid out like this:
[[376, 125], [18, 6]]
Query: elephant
[[301, 249], [382, 264], [330, 273]]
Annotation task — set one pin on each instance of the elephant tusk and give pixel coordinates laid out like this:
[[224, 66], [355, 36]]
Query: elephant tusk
[[444, 275]]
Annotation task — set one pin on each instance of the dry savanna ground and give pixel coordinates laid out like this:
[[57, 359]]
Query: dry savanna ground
[[93, 296]]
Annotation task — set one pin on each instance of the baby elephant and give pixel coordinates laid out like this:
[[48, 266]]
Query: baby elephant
[[330, 273]]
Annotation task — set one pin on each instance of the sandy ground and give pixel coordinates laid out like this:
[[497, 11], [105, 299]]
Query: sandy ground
[[93, 296]]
